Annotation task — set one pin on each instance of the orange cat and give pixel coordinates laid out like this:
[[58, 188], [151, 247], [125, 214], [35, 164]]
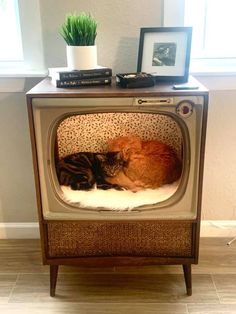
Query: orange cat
[[150, 164]]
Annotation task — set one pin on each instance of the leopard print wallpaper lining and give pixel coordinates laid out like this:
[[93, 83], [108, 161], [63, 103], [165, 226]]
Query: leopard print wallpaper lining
[[90, 132]]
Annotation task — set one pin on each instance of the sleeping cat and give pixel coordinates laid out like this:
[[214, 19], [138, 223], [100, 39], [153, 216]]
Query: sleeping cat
[[149, 164], [82, 170]]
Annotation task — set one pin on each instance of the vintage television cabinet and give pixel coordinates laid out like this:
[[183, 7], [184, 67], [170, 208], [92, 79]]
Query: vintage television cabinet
[[63, 121]]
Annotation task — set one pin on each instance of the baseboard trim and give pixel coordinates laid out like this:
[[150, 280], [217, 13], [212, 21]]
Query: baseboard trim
[[30, 230], [22, 230], [218, 228]]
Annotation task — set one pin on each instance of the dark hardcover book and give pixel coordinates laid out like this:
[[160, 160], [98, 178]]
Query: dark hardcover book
[[66, 74], [82, 82]]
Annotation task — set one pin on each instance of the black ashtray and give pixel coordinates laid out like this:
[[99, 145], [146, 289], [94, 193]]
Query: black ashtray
[[135, 80]]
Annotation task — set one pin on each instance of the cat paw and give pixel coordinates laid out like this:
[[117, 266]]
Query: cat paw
[[110, 186], [81, 186], [119, 188], [104, 186], [137, 189]]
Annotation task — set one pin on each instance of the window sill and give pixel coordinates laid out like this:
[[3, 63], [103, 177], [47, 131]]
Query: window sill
[[213, 67], [218, 74], [13, 81], [213, 71], [14, 73]]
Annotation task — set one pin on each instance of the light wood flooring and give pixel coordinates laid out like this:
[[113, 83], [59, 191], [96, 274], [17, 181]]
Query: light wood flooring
[[24, 284]]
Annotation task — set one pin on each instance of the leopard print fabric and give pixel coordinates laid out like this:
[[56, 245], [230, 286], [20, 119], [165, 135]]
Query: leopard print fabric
[[90, 132]]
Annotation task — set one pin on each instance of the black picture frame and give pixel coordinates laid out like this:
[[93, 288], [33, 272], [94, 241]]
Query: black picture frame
[[164, 52]]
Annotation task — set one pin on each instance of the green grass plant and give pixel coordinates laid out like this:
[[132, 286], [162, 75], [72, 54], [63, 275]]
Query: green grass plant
[[79, 30]]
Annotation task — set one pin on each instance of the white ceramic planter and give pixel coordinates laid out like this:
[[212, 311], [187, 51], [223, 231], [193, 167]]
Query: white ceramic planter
[[81, 57]]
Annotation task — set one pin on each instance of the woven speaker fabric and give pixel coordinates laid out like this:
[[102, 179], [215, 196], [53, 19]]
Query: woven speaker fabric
[[142, 238]]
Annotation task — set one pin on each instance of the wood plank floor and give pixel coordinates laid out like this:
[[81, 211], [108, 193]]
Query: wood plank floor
[[24, 284]]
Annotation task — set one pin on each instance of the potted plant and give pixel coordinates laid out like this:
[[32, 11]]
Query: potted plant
[[79, 32]]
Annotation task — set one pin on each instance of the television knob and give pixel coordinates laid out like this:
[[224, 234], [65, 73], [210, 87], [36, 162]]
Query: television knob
[[184, 109]]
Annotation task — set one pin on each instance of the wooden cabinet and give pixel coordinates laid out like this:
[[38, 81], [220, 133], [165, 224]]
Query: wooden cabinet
[[166, 232]]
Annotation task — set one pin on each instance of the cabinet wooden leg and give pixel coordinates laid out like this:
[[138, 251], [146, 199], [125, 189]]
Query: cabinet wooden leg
[[188, 278], [53, 279]]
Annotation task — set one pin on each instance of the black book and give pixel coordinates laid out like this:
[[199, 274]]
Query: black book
[[66, 74], [82, 82]]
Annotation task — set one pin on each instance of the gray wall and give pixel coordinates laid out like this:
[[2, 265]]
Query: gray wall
[[17, 193], [219, 190], [117, 41], [119, 23], [118, 33]]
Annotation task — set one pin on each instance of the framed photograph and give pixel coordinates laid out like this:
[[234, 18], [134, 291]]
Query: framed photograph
[[165, 52]]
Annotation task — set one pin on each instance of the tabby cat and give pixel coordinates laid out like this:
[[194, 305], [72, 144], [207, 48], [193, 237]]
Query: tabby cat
[[82, 170], [149, 164]]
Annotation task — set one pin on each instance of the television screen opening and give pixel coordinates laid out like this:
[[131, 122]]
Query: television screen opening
[[119, 160]]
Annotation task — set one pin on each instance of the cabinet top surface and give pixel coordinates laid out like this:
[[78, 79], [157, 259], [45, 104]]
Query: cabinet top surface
[[46, 89]]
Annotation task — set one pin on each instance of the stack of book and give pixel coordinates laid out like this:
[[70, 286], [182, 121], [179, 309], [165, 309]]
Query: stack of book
[[64, 77]]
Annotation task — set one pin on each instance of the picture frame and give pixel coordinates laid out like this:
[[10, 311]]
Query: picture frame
[[164, 52]]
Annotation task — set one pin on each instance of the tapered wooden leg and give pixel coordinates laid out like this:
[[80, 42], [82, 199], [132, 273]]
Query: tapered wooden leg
[[53, 279], [188, 278]]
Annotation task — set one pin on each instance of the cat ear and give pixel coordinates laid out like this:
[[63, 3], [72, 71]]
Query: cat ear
[[126, 153], [119, 155], [101, 157]]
